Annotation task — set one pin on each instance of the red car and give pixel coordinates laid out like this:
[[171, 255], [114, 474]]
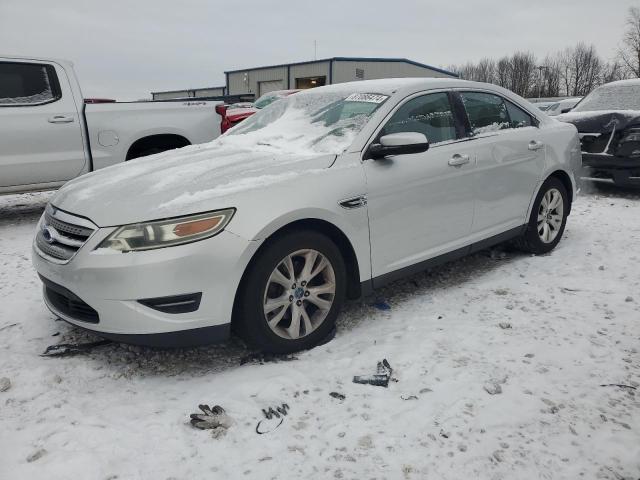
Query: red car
[[235, 113]]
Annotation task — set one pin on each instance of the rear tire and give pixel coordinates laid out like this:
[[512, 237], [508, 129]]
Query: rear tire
[[271, 298], [548, 218]]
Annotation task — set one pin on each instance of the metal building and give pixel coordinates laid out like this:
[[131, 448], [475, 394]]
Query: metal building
[[260, 80]]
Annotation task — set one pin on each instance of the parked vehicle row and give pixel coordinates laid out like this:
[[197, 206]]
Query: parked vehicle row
[[322, 196], [51, 135], [237, 112], [608, 120], [562, 106]]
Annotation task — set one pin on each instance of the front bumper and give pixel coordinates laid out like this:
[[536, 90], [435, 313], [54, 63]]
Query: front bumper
[[606, 168], [111, 284]]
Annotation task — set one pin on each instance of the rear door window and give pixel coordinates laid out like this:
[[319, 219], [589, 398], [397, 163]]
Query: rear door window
[[429, 114], [518, 118], [490, 113], [486, 112], [27, 84]]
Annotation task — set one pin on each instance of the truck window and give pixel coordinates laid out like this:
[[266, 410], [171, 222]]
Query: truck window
[[23, 84]]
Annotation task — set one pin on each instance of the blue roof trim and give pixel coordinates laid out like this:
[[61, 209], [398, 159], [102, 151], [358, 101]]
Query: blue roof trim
[[349, 59]]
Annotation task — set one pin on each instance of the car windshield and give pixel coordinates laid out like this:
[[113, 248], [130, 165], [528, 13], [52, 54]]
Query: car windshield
[[313, 122], [611, 97], [268, 99]]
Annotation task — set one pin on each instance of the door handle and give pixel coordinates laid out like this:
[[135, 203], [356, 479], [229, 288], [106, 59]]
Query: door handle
[[60, 119], [535, 145], [458, 160]]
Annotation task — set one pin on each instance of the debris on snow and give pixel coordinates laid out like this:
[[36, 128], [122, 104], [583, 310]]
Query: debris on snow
[[629, 299], [36, 455], [409, 397], [262, 358], [214, 419], [271, 414], [504, 325], [382, 305], [338, 396], [5, 384], [69, 349], [618, 385], [380, 379], [498, 455], [493, 387]]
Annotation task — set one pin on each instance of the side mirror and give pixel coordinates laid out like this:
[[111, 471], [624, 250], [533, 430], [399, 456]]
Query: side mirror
[[566, 110], [399, 144]]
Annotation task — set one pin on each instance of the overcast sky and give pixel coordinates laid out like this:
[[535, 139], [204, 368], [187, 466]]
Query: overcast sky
[[126, 49]]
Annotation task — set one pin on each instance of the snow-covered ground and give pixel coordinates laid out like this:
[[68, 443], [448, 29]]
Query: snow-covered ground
[[549, 331]]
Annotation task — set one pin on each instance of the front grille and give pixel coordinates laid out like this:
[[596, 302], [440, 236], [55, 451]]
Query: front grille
[[61, 235], [68, 303]]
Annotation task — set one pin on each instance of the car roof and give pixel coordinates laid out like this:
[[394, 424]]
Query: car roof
[[38, 59], [405, 86]]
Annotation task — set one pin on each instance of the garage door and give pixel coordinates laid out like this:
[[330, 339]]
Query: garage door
[[270, 86]]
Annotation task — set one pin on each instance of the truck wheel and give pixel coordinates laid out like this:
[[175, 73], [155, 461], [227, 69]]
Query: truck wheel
[[292, 294], [548, 218]]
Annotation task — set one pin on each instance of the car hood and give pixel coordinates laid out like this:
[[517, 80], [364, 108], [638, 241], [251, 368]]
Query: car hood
[[193, 179], [601, 121]]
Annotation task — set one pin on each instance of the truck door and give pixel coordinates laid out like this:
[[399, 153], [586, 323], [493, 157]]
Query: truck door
[[40, 127]]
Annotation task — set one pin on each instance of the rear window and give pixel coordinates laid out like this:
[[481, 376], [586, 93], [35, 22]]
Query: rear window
[[27, 84]]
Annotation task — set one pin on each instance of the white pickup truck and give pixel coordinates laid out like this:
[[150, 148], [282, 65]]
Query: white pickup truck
[[49, 134]]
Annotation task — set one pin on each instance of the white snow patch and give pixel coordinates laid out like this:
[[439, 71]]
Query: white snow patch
[[123, 411]]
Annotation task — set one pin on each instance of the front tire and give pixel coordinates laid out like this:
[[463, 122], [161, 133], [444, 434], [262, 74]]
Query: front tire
[[548, 218], [292, 294]]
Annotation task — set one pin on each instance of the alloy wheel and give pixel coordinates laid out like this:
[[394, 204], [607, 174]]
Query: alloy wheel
[[299, 294], [550, 215]]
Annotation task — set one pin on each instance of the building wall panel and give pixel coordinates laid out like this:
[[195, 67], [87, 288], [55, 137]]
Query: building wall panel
[[345, 71]]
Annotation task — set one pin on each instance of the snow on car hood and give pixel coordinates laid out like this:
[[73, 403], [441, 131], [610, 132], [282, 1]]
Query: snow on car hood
[[601, 121], [190, 180]]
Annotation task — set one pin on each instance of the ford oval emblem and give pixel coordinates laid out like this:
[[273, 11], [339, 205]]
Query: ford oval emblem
[[48, 235]]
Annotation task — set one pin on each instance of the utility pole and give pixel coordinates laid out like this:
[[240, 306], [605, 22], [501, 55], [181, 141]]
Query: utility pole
[[540, 68]]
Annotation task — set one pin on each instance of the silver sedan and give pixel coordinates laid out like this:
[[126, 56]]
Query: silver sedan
[[321, 196]]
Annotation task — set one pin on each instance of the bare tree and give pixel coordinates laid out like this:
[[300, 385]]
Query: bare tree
[[551, 77], [581, 69], [629, 53], [503, 72], [485, 71], [613, 71], [523, 70]]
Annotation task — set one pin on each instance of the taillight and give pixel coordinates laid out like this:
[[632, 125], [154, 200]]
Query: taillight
[[225, 124], [221, 109]]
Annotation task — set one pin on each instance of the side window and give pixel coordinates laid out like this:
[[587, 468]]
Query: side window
[[519, 118], [429, 114], [486, 112], [27, 84]]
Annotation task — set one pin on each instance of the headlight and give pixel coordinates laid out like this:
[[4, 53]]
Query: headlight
[[632, 135], [166, 233]]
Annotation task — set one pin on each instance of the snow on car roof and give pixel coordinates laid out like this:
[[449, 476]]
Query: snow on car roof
[[624, 83], [388, 86]]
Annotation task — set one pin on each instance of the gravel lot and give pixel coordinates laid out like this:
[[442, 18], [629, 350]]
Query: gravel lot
[[546, 332]]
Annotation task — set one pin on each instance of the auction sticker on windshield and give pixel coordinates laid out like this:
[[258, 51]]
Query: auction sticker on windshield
[[366, 97]]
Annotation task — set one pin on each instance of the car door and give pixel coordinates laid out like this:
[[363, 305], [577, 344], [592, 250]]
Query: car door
[[510, 159], [39, 125], [420, 205]]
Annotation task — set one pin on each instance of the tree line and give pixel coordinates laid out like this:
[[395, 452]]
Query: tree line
[[574, 71]]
